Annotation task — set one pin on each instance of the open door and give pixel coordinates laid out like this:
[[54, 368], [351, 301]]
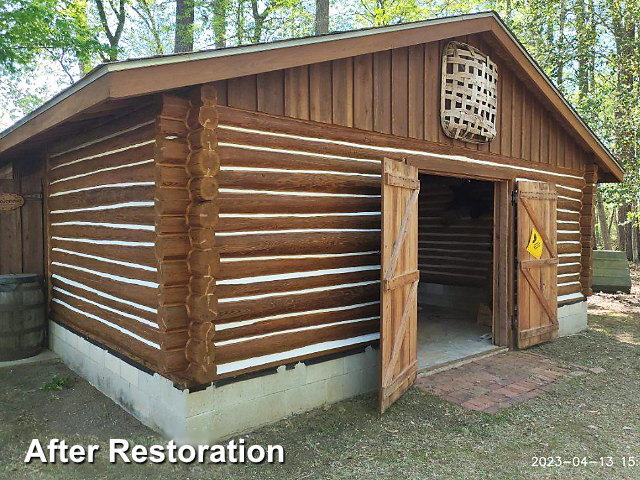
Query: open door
[[537, 302], [399, 280]]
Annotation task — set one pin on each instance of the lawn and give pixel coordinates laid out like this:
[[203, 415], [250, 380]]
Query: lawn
[[586, 417]]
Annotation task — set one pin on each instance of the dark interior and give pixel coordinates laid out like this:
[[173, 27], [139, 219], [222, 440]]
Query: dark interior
[[455, 258]]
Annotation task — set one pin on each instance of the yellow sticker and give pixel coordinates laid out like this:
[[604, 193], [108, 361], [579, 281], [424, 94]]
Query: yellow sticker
[[535, 244]]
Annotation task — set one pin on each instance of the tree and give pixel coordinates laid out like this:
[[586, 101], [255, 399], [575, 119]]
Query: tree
[[31, 28], [185, 16], [119, 10], [322, 17]]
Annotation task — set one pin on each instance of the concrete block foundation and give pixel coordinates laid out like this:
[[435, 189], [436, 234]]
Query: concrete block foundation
[[572, 318], [217, 412]]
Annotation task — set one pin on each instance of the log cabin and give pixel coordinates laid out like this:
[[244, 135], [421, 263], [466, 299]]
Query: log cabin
[[228, 237]]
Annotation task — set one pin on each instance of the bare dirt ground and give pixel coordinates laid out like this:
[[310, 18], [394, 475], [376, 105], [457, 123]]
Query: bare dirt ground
[[584, 418]]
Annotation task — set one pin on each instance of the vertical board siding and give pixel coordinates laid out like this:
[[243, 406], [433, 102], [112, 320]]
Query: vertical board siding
[[398, 92], [342, 98], [363, 92], [382, 91]]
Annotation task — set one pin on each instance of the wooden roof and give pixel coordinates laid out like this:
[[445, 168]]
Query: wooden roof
[[112, 88]]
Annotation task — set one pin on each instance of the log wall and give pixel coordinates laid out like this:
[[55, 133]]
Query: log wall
[[299, 233], [103, 275], [453, 247]]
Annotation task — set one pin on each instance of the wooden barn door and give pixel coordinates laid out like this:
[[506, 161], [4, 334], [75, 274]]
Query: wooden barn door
[[537, 265], [399, 280]]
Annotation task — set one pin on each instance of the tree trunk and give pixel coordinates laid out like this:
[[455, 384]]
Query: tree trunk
[[322, 17], [183, 40], [602, 220], [624, 230], [220, 9]]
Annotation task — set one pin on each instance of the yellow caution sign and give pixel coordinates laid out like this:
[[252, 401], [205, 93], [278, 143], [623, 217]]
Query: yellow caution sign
[[535, 244]]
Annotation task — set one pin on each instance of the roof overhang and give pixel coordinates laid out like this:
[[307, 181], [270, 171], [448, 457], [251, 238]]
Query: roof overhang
[[132, 78]]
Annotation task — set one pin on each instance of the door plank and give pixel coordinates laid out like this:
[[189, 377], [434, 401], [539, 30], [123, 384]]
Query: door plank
[[537, 301], [399, 281]]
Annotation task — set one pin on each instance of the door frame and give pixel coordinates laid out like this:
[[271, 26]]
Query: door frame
[[503, 239]]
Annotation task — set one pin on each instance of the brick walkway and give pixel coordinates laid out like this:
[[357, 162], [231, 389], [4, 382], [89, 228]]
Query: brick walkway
[[496, 382]]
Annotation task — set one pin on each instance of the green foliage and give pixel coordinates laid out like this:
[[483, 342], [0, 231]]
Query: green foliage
[[29, 28], [58, 383]]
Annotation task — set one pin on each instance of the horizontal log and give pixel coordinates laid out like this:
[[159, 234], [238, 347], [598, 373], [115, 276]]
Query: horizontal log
[[246, 224], [173, 272], [475, 271], [569, 204], [573, 277], [253, 268], [469, 237], [173, 361], [249, 309], [569, 192], [484, 263], [102, 233], [111, 160], [166, 125], [568, 268], [203, 163], [569, 289], [172, 295], [299, 182], [120, 306], [291, 144], [298, 243], [425, 245], [572, 258], [172, 247], [566, 236], [259, 121], [171, 151], [289, 341], [295, 284], [241, 157], [111, 136], [172, 317], [101, 197], [571, 300], [568, 216], [487, 253], [174, 106], [297, 321], [132, 254], [107, 336], [104, 266], [135, 327], [133, 293], [451, 279], [202, 215], [174, 176], [569, 248], [264, 203], [171, 224], [128, 215]]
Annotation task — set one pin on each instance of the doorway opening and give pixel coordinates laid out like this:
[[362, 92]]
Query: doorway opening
[[456, 261]]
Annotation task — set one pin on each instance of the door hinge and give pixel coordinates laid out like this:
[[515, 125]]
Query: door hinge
[[514, 322], [514, 197]]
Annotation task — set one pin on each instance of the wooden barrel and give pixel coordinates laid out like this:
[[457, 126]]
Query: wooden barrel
[[22, 317]]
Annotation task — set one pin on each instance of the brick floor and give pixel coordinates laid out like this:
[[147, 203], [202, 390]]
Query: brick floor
[[496, 382]]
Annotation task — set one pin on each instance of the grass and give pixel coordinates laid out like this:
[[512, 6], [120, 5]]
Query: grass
[[588, 416], [57, 383]]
